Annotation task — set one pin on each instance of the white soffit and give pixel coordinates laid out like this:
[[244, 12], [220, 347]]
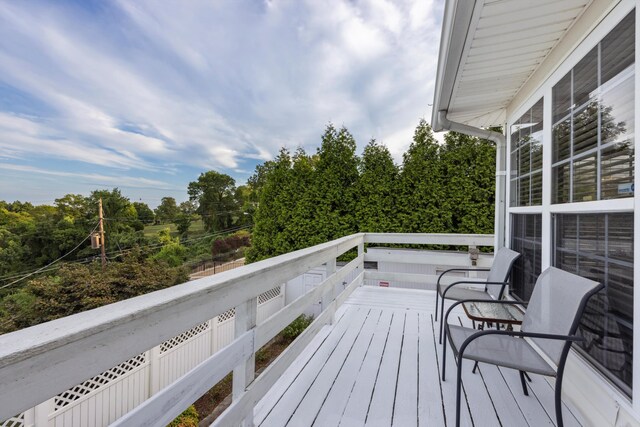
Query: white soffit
[[506, 42]]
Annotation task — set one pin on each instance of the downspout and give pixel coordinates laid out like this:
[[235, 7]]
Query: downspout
[[501, 166]]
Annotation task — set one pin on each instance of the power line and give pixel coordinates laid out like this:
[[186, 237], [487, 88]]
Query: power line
[[52, 262], [112, 255], [157, 245]]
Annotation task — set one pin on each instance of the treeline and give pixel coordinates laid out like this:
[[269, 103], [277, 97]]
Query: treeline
[[306, 199], [34, 236]]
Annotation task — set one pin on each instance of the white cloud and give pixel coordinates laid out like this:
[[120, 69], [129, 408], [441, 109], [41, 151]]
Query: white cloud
[[138, 85], [94, 178]]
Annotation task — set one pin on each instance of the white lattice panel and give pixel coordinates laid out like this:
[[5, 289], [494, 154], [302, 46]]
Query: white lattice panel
[[97, 382], [184, 357], [269, 295], [183, 337], [229, 314], [17, 421]]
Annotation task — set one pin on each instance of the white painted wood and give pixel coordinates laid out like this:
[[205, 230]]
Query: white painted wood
[[282, 412], [357, 404], [430, 239], [244, 372], [429, 397], [167, 404], [530, 407], [331, 294], [406, 400], [263, 407], [357, 282], [341, 391], [350, 397], [235, 413], [426, 279], [277, 322], [423, 258], [38, 362], [381, 407], [309, 407]]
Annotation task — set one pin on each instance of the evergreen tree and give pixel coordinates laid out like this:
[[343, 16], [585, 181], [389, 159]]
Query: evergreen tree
[[422, 203], [468, 168], [375, 207], [270, 217], [334, 187]]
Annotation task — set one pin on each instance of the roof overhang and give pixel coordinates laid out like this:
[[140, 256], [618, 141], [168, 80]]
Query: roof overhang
[[489, 50]]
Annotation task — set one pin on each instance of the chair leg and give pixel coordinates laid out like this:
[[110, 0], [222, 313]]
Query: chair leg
[[524, 383], [475, 366], [442, 320], [458, 392], [559, 422], [437, 295], [527, 376], [444, 357]]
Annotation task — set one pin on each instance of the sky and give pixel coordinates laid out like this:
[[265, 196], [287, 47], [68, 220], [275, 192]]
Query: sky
[[145, 95]]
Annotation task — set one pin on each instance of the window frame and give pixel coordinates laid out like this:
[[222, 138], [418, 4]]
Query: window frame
[[583, 44]]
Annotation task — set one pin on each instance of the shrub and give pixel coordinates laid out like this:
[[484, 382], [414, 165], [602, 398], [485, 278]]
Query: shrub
[[188, 418], [296, 327]]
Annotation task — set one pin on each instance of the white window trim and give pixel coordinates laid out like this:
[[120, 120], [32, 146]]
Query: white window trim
[[631, 204]]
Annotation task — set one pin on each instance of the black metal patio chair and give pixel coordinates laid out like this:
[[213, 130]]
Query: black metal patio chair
[[550, 322], [494, 285]]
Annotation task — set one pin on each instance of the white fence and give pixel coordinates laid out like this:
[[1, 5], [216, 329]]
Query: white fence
[[42, 361], [108, 396]]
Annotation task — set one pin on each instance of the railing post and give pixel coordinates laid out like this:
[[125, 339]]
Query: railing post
[[244, 372], [154, 370], [361, 254], [41, 413], [330, 294]]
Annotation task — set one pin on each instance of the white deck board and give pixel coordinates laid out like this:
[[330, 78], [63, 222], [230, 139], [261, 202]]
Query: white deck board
[[379, 365]]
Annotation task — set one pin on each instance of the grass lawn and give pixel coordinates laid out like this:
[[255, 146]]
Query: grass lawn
[[197, 227]]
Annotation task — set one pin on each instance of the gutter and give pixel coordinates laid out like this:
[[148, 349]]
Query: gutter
[[501, 166]]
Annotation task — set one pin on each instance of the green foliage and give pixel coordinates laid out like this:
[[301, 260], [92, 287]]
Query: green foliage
[[306, 200], [423, 205], [215, 194], [375, 207], [189, 418], [78, 287], [296, 327], [274, 208], [468, 165], [144, 212], [167, 210], [172, 252], [334, 182]]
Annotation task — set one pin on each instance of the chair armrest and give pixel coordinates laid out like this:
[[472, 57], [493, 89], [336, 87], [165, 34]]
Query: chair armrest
[[469, 282], [573, 338], [459, 269]]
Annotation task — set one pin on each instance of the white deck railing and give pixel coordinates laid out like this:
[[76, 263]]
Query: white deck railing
[[46, 360]]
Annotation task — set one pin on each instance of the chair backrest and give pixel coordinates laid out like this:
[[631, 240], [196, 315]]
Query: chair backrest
[[500, 270], [555, 307]]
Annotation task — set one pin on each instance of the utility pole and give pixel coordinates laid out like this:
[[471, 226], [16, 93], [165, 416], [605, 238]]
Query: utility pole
[[102, 242]]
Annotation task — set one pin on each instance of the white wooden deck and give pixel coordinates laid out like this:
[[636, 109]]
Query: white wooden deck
[[378, 365]]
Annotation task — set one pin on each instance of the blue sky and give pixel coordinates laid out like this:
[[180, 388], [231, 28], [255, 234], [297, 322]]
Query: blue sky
[[145, 95]]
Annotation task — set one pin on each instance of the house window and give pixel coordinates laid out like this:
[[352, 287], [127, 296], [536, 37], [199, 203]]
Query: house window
[[526, 158], [593, 122], [600, 247], [526, 238]]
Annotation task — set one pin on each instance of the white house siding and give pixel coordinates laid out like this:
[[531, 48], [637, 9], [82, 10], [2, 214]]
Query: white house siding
[[600, 401]]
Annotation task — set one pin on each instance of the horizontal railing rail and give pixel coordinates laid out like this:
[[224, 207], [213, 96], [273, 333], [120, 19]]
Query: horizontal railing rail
[[39, 362]]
